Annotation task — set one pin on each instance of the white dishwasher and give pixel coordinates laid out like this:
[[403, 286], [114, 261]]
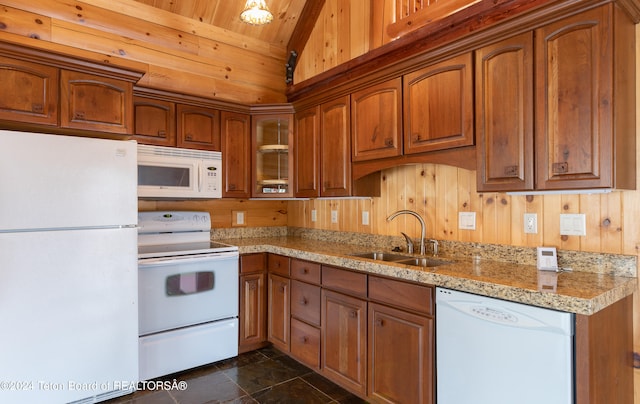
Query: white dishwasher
[[491, 351]]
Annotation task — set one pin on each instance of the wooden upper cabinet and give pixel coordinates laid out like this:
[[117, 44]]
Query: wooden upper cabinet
[[155, 121], [236, 154], [95, 103], [438, 106], [307, 152], [30, 92], [504, 115], [272, 159], [376, 121], [198, 127], [335, 152], [583, 136]]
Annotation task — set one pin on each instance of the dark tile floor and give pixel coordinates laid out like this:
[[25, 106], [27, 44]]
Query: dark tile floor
[[263, 376]]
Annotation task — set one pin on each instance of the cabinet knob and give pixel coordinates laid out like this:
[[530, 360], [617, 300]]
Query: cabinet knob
[[379, 323], [388, 142], [303, 301], [304, 339], [282, 288], [511, 171], [252, 286], [560, 168], [232, 187], [162, 133], [188, 136], [304, 271], [353, 314], [37, 108], [78, 115]]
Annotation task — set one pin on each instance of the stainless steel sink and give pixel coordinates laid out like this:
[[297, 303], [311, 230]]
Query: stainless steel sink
[[423, 262], [383, 256]]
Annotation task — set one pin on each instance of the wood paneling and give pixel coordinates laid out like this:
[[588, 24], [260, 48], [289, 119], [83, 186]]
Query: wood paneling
[[184, 54]]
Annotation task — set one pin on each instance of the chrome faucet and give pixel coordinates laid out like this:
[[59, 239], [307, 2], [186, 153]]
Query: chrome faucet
[[423, 226]]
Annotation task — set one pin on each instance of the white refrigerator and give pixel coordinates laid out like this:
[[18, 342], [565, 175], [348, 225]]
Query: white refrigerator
[[68, 268]]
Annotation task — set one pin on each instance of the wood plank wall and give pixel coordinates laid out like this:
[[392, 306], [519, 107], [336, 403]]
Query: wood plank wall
[[183, 55], [187, 57]]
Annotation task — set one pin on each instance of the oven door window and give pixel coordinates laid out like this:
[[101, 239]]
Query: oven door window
[[189, 283]]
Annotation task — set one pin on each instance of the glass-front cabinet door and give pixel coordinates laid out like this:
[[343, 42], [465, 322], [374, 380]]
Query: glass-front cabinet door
[[273, 166]]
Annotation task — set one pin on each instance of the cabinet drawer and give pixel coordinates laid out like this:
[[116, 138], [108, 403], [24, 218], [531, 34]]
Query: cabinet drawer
[[305, 343], [278, 264], [346, 281], [305, 271], [252, 263], [305, 302], [402, 294]]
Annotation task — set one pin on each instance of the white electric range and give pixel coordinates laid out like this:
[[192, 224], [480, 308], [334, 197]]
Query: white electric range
[[188, 293]]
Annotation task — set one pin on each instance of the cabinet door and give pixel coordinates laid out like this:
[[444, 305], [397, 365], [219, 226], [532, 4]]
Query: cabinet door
[[30, 92], [95, 103], [335, 150], [236, 154], [400, 372], [438, 106], [278, 307], [271, 139], [155, 121], [376, 121], [344, 340], [198, 127], [307, 152], [574, 102], [253, 322], [504, 114]]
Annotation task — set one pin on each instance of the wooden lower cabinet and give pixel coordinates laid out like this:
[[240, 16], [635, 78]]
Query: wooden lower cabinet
[[344, 340], [253, 302], [305, 343], [278, 319], [401, 359]]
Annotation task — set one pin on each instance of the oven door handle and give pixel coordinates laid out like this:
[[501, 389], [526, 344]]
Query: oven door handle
[[186, 259]]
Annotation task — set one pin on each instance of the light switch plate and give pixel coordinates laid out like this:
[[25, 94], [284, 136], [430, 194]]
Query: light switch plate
[[314, 215], [334, 216], [573, 224], [467, 220]]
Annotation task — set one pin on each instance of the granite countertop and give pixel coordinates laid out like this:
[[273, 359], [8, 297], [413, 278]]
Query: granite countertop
[[577, 291]]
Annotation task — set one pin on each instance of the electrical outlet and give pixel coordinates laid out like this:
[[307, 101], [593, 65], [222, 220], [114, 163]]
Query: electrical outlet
[[365, 218], [334, 216], [238, 217], [531, 223], [314, 215]]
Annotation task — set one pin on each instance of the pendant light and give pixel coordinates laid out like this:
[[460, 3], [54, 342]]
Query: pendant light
[[256, 13]]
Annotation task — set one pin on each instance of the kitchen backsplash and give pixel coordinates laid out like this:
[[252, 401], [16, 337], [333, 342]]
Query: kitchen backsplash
[[613, 264]]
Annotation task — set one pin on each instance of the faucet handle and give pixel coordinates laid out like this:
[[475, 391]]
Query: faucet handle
[[434, 247], [409, 243]]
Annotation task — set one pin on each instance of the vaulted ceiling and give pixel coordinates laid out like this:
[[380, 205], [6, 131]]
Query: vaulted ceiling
[[225, 14]]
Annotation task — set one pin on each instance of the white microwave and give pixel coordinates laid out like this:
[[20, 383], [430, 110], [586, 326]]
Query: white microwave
[[175, 173]]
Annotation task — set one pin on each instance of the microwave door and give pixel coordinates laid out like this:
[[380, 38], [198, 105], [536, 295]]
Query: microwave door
[[166, 179]]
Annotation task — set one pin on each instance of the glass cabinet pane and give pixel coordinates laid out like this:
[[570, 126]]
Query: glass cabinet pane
[[272, 158]]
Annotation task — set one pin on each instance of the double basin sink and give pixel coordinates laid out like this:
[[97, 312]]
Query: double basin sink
[[423, 262]]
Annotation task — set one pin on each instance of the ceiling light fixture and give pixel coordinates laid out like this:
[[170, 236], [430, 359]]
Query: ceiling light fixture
[[256, 13]]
